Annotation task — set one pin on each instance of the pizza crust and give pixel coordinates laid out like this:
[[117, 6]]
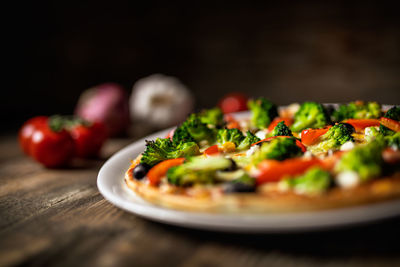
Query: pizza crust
[[213, 200]]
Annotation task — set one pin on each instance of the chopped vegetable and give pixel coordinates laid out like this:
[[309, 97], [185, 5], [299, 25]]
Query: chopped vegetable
[[336, 136], [391, 124], [193, 130], [279, 148], [287, 121], [158, 171], [393, 114], [198, 170], [310, 115], [314, 181], [230, 135], [263, 112], [361, 124], [358, 110], [311, 136], [365, 160], [298, 143], [248, 141], [212, 150], [163, 148], [213, 117], [273, 170], [393, 141], [281, 130]]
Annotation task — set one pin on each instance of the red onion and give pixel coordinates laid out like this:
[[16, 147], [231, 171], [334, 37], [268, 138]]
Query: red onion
[[106, 103]]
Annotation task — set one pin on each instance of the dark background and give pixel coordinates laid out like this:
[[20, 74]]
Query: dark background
[[285, 50]]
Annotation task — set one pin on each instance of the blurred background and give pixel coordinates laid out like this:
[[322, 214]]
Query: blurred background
[[285, 50]]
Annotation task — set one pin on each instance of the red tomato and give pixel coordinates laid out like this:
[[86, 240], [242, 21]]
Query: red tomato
[[26, 131], [391, 124], [233, 102], [287, 121], [52, 149], [310, 136], [159, 170], [360, 124], [212, 150], [274, 170], [88, 139]]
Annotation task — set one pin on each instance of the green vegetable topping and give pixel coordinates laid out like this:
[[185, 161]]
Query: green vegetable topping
[[247, 141], [163, 148], [314, 181], [394, 114], [365, 160], [193, 130], [279, 148], [281, 130], [336, 136], [197, 170], [263, 112], [213, 117], [358, 110], [230, 135], [310, 115], [393, 141]]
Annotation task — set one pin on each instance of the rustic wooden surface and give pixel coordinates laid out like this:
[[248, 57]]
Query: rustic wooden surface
[[58, 218]]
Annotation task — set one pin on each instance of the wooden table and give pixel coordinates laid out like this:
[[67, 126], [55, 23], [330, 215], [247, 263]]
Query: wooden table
[[58, 217]]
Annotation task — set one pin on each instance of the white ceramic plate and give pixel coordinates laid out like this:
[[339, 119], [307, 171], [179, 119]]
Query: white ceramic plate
[[111, 185]]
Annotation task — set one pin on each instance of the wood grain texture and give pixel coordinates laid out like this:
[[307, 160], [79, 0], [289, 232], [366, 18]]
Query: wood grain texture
[[58, 218]]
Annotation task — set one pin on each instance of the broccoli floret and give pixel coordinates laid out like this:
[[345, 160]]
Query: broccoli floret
[[310, 115], [281, 130], [263, 112], [193, 130], [197, 170], [371, 133], [365, 160], [248, 141], [358, 110], [230, 135], [213, 117], [393, 141], [336, 136], [187, 149], [394, 114], [279, 148], [314, 181], [163, 148]]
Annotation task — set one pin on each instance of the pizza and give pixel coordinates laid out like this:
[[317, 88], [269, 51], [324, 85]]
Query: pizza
[[301, 157]]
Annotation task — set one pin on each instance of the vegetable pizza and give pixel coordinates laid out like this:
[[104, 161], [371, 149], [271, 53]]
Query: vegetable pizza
[[307, 156]]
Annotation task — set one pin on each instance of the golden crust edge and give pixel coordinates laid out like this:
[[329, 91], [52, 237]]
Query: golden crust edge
[[373, 192]]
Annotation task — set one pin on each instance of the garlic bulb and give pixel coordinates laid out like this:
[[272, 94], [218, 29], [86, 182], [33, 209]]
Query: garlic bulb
[[160, 101]]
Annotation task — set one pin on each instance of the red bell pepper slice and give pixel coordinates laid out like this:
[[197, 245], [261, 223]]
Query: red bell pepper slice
[[287, 121], [212, 150], [360, 124], [391, 124], [310, 136], [274, 170], [158, 171]]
